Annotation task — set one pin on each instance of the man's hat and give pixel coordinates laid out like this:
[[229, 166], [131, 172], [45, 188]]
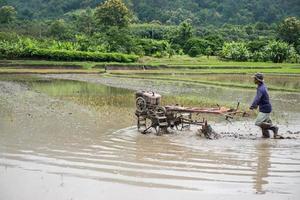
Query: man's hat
[[259, 77]]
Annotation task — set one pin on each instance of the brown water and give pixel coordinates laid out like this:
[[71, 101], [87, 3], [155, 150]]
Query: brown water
[[70, 146]]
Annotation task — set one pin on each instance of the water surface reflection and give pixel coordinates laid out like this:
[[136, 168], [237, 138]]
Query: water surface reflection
[[80, 141]]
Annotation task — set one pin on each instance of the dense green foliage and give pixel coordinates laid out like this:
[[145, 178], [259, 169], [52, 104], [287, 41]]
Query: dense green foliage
[[197, 46], [243, 30], [289, 30], [113, 13], [235, 51], [7, 14], [275, 51], [172, 11], [27, 48]]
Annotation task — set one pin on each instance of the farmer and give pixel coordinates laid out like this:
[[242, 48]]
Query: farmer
[[262, 101]]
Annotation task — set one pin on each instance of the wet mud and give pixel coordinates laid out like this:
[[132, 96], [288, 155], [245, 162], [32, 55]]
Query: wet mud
[[63, 147]]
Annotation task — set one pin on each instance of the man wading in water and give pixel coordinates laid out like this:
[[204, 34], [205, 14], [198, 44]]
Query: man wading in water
[[262, 101]]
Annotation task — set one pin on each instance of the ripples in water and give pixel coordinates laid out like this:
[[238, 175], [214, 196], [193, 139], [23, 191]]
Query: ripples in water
[[175, 161]]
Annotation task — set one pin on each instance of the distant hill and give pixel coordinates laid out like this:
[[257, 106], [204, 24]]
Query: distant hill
[[201, 12]]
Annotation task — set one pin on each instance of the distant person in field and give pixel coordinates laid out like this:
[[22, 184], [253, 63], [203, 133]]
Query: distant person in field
[[262, 101]]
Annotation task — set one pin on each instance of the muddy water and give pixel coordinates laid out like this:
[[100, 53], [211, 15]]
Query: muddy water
[[71, 140], [286, 105]]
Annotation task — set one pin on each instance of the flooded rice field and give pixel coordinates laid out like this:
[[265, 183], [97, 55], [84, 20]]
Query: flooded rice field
[[275, 81], [284, 81], [74, 137]]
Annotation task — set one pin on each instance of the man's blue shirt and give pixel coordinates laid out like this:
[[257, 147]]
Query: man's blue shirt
[[262, 100]]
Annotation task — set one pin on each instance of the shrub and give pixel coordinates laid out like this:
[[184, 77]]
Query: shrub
[[235, 51], [194, 51], [21, 48], [66, 51], [82, 56], [216, 43], [13, 51], [8, 36], [277, 51], [257, 45], [153, 47], [197, 46], [293, 56], [258, 56]]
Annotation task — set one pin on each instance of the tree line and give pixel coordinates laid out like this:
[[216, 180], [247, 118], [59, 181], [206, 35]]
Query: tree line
[[112, 27], [171, 12]]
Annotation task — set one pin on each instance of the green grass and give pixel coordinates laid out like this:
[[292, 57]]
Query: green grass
[[49, 71], [176, 61], [84, 65]]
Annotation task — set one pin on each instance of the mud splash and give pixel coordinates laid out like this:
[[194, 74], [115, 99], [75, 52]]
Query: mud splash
[[245, 133]]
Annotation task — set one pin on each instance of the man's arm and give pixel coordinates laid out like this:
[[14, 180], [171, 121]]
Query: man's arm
[[256, 100]]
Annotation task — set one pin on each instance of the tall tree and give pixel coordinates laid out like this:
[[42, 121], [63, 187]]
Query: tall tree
[[113, 13], [289, 30], [184, 33], [7, 14]]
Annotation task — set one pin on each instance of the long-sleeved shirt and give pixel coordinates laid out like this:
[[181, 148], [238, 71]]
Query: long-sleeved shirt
[[261, 100]]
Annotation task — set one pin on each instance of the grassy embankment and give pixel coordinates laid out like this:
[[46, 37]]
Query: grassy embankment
[[46, 67], [179, 63], [177, 68]]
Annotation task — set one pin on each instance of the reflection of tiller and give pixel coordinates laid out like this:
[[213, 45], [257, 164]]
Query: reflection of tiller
[[151, 115]]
